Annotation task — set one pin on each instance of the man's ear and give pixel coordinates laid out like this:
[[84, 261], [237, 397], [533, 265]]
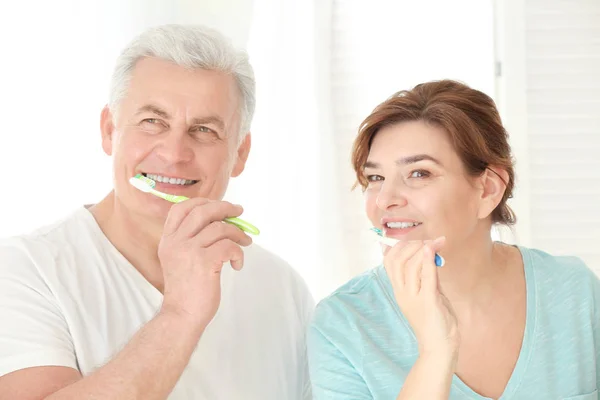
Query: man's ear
[[107, 129], [242, 155], [493, 182]]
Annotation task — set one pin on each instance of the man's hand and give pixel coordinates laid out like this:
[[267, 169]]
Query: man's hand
[[194, 246]]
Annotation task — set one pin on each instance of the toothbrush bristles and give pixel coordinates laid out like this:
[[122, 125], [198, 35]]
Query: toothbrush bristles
[[146, 180]]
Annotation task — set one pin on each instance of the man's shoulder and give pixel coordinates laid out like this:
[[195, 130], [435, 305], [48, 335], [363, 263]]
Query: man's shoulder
[[264, 261], [43, 246], [268, 268]]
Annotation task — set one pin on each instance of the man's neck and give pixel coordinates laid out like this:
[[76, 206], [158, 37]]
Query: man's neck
[[133, 235]]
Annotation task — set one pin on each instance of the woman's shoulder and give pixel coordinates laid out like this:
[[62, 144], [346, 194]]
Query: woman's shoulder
[[561, 274], [558, 266], [358, 298]]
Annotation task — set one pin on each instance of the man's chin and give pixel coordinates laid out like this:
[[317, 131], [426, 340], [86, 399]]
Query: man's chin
[[154, 210]]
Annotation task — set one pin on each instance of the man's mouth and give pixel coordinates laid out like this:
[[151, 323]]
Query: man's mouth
[[170, 180]]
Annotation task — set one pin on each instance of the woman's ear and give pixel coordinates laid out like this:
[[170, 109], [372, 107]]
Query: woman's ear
[[493, 182]]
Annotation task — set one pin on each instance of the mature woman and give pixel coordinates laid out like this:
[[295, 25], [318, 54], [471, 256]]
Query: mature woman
[[496, 321]]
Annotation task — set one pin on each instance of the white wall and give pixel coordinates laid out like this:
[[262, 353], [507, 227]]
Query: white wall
[[56, 64], [549, 98]]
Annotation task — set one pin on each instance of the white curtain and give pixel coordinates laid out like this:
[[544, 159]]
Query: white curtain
[[286, 186], [548, 91], [321, 66]]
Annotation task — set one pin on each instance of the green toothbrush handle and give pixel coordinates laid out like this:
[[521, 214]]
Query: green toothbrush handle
[[240, 223], [175, 199], [243, 225]]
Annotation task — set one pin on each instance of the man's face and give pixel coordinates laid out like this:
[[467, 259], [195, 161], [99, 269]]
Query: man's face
[[179, 127]]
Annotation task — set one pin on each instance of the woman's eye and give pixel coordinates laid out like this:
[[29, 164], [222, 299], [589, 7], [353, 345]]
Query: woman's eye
[[374, 178], [420, 173]]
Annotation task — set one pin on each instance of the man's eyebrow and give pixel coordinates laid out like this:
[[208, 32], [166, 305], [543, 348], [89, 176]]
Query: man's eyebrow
[[212, 119], [153, 109]]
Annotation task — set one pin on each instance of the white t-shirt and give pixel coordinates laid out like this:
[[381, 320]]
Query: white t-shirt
[[69, 298]]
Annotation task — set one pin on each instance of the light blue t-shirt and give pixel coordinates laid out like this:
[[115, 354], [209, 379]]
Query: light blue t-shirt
[[361, 347]]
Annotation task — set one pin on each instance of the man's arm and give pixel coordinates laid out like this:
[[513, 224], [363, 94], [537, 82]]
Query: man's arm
[[192, 251], [147, 368]]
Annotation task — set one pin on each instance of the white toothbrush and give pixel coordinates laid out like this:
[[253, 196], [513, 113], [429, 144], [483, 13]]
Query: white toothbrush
[[388, 241]]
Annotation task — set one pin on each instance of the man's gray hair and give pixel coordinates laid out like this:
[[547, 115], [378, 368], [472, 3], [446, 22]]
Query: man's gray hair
[[190, 46]]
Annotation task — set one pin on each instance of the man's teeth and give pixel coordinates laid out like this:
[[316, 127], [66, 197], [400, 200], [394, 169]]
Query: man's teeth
[[402, 225], [172, 181]]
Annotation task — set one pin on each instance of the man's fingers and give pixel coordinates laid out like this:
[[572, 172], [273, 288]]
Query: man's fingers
[[179, 211], [203, 215], [226, 251], [218, 230]]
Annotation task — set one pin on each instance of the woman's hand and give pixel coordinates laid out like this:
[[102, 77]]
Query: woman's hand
[[411, 269]]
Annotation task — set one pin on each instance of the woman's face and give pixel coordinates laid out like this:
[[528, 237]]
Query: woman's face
[[418, 188]]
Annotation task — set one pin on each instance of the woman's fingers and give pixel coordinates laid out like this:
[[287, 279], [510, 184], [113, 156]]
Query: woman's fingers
[[395, 261]]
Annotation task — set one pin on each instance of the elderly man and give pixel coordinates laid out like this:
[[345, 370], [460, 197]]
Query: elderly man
[[137, 298]]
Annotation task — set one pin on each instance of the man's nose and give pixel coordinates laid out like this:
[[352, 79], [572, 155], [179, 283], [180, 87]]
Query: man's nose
[[175, 148]]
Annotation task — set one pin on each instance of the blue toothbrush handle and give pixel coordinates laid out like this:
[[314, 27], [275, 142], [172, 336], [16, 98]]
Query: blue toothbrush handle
[[439, 261]]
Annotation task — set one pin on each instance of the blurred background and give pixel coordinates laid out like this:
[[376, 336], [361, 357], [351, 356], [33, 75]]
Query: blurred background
[[321, 67]]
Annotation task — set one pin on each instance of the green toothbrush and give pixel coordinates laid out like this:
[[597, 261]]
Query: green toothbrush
[[147, 185]]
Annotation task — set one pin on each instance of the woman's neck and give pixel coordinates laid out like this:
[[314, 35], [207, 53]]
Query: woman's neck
[[477, 271]]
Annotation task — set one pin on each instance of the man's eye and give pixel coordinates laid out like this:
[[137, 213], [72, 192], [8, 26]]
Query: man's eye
[[202, 129], [152, 125]]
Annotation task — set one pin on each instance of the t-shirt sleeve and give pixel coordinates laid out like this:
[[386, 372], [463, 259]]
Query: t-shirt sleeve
[[306, 384], [306, 308], [596, 323], [33, 330], [332, 374]]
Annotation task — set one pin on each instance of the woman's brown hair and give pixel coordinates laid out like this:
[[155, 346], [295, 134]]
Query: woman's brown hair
[[470, 118]]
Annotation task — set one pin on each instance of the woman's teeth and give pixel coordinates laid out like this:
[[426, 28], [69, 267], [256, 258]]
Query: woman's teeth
[[402, 225], [172, 181]]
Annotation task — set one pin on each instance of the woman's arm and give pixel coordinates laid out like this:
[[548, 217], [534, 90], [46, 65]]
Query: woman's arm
[[332, 375], [413, 274], [430, 377]]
